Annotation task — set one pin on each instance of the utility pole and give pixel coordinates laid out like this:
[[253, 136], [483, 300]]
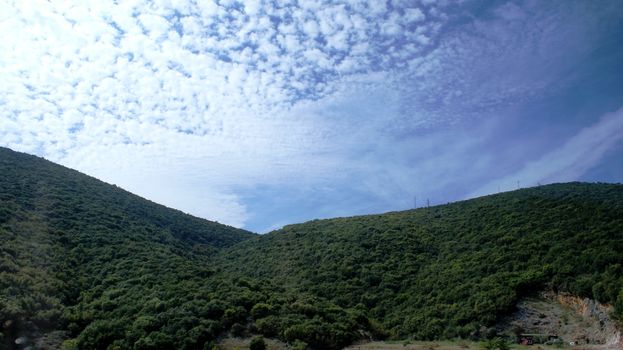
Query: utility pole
[[518, 184], [414, 202], [427, 203]]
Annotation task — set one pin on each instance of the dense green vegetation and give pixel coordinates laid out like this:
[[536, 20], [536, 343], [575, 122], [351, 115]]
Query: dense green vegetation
[[95, 267], [99, 263], [448, 271]]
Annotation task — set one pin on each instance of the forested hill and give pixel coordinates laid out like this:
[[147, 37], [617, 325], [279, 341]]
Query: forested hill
[[69, 198], [86, 265], [72, 246], [441, 272]]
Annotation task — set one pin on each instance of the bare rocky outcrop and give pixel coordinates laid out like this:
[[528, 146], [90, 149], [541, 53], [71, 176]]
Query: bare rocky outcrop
[[579, 321], [607, 329]]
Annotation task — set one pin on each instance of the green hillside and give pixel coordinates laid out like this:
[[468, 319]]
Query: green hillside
[[86, 265], [441, 272], [77, 254]]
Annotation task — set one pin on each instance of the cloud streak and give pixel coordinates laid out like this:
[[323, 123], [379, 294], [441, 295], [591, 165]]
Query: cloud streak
[[569, 161]]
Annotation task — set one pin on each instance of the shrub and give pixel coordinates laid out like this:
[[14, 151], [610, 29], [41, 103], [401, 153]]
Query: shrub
[[237, 330], [261, 310], [299, 345], [495, 344], [257, 343]]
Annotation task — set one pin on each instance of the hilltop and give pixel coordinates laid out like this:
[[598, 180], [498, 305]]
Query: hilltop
[[84, 264]]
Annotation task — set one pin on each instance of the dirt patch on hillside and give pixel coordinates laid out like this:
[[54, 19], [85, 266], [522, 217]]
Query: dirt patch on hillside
[[577, 321]]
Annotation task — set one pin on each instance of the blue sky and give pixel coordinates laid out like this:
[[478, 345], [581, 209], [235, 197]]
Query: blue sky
[[259, 114]]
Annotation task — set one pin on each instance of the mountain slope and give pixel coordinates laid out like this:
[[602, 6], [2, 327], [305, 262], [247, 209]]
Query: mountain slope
[[447, 271], [69, 241], [86, 265]]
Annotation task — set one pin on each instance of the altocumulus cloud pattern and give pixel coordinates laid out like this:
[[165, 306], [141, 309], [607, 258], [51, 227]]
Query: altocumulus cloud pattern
[[259, 113]]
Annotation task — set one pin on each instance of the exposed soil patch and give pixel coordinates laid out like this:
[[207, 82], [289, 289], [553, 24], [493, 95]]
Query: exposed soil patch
[[577, 321]]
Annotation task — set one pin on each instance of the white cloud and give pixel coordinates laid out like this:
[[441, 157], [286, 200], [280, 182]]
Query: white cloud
[[392, 25], [311, 28], [207, 9], [252, 7], [414, 15], [377, 8], [156, 26]]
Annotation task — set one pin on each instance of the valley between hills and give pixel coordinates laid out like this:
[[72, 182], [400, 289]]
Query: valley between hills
[[87, 265]]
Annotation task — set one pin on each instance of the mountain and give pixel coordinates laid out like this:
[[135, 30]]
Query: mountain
[[86, 265]]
